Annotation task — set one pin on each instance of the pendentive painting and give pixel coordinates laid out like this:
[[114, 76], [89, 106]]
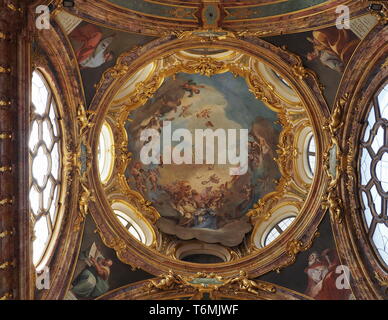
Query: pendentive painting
[[203, 200]]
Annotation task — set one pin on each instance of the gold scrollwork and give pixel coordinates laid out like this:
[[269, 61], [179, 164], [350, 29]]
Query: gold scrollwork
[[333, 202], [7, 265], [205, 66], [5, 135], [5, 103], [383, 281], [336, 120], [299, 71], [382, 15], [209, 283], [83, 206], [84, 119], [5, 69], [293, 248], [6, 201], [253, 33], [144, 91], [12, 7], [5, 169], [7, 296], [3, 36], [6, 233]]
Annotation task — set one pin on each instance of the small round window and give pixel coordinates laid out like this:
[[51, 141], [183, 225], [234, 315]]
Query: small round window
[[311, 154], [45, 169], [105, 153], [374, 174], [277, 230]]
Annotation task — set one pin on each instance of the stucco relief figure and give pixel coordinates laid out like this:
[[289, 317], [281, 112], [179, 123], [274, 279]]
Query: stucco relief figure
[[323, 277], [333, 47], [93, 49], [93, 279]]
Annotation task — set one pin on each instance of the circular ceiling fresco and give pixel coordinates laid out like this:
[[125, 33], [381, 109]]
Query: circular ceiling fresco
[[205, 198], [208, 156]]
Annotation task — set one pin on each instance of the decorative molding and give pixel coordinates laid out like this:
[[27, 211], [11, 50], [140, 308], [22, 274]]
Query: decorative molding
[[5, 169], [85, 198], [383, 281], [13, 8], [4, 103], [5, 135], [294, 247], [6, 201], [7, 296], [211, 284], [5, 69], [7, 265], [7, 233]]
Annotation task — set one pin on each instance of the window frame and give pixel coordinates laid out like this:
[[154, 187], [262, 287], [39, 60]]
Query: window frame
[[56, 197], [366, 146]]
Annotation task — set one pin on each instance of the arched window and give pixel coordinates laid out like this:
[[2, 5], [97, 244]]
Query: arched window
[[45, 169], [277, 230], [137, 226], [311, 154], [128, 225], [374, 174], [106, 153], [278, 76]]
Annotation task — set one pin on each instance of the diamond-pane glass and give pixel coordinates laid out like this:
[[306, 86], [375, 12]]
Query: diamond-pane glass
[[374, 175], [44, 145]]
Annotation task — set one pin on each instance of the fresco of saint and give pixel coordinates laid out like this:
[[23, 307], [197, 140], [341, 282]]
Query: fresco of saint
[[322, 273], [333, 47], [93, 49]]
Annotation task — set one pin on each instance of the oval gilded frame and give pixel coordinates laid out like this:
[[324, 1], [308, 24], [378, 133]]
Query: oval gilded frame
[[298, 237]]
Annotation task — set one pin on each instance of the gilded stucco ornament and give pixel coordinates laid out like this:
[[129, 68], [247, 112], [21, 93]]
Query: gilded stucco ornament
[[335, 161], [85, 198], [209, 283], [294, 247], [382, 15], [383, 281]]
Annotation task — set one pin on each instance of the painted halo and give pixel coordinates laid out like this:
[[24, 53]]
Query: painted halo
[[181, 82]]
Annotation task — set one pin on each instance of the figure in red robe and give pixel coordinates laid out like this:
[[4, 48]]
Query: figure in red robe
[[333, 47], [92, 52], [323, 277]]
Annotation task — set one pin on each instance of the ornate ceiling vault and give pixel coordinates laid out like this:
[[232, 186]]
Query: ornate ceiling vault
[[307, 110], [116, 82]]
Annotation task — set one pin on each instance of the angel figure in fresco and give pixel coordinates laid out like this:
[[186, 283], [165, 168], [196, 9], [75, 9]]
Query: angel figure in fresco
[[333, 47], [185, 113], [93, 50], [204, 114], [322, 276], [153, 176], [192, 87], [92, 282], [137, 173]]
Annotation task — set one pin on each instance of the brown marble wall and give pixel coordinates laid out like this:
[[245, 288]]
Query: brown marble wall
[[11, 23]]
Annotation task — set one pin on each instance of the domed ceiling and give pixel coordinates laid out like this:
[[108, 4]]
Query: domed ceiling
[[158, 80], [231, 10], [263, 17]]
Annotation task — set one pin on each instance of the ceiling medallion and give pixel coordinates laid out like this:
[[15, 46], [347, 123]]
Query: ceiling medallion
[[165, 112]]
